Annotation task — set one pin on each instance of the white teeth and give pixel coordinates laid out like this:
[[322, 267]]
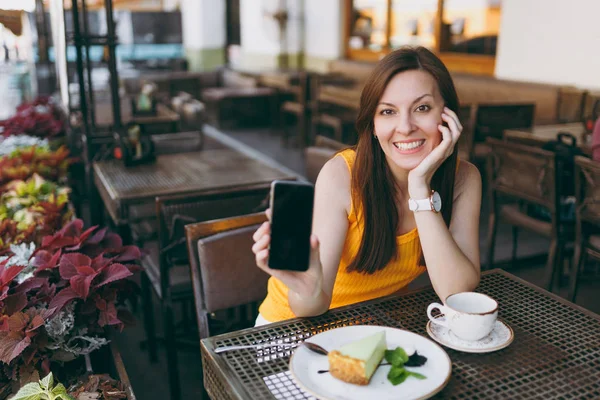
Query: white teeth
[[409, 145]]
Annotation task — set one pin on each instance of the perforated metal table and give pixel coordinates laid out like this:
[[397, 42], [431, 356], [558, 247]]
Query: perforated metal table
[[555, 353]]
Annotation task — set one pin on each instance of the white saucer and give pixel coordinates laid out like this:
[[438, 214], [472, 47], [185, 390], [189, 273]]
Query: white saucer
[[500, 337]]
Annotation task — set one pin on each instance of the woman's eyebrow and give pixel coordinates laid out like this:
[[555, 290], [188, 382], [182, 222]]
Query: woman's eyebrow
[[384, 103], [421, 97]]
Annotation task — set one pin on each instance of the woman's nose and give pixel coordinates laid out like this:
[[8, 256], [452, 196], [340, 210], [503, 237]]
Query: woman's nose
[[404, 125]]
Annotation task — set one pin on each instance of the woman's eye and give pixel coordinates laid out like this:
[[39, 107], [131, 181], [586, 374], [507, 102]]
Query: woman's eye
[[387, 111], [423, 108]]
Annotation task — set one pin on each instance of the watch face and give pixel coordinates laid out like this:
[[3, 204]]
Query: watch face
[[437, 201]]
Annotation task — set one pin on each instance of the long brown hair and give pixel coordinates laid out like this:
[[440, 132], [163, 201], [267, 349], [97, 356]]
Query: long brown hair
[[373, 187]]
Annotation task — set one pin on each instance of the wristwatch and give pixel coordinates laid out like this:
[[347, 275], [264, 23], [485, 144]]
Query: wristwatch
[[433, 203]]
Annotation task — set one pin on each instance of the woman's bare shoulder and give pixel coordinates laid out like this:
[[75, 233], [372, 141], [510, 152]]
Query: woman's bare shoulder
[[334, 181], [467, 178]]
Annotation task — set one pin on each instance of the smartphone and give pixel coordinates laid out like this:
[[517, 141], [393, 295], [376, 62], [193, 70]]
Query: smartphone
[[291, 225]]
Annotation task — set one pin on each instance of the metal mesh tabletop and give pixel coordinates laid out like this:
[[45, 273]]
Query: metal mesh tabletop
[[555, 353]]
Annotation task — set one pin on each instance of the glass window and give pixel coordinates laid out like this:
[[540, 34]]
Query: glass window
[[471, 26], [368, 25], [413, 23]]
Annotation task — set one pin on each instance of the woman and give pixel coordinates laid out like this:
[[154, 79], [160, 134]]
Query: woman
[[374, 229]]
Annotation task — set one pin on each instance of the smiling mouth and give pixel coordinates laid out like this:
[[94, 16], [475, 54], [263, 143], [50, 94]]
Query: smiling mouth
[[404, 146]]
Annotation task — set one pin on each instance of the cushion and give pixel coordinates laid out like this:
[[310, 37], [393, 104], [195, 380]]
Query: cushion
[[229, 273]]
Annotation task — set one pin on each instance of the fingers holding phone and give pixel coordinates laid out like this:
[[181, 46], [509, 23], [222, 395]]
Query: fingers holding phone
[[262, 240], [284, 246]]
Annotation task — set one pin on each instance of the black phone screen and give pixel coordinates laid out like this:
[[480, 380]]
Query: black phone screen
[[291, 225]]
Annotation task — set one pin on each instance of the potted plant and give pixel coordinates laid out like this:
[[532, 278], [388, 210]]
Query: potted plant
[[36, 207], [23, 162], [58, 300]]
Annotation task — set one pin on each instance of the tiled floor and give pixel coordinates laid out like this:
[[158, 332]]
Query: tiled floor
[[142, 372]]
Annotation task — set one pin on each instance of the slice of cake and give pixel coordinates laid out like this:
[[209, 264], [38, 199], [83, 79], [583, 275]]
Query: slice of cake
[[357, 361]]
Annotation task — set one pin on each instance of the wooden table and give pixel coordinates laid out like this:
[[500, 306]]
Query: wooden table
[[555, 353], [544, 133], [194, 172], [165, 120], [344, 96]]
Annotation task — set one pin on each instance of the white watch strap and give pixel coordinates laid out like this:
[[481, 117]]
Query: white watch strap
[[421, 205]]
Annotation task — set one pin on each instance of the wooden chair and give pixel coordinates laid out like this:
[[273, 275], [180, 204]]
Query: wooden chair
[[519, 177], [492, 119], [298, 107], [142, 217], [591, 109], [466, 116], [166, 266], [316, 156], [219, 250], [340, 119], [570, 104], [587, 218]]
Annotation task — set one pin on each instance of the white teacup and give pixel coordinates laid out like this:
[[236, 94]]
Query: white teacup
[[469, 315]]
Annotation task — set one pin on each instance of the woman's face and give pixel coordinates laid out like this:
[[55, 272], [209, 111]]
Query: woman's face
[[407, 118]]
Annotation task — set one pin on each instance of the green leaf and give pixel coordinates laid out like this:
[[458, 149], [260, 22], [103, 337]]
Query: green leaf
[[62, 396], [31, 391], [396, 357], [60, 390], [417, 375], [47, 382], [399, 376], [395, 372]]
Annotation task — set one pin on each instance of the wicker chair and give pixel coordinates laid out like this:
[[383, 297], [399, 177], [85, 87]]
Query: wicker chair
[[587, 217], [520, 176], [167, 272]]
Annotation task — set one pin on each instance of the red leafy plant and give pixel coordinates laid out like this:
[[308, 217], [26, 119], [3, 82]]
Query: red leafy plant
[[41, 118], [62, 310]]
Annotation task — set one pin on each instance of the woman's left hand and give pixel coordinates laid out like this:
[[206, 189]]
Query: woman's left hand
[[419, 178]]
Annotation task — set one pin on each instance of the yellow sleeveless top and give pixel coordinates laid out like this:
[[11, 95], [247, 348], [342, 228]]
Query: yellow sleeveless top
[[354, 287]]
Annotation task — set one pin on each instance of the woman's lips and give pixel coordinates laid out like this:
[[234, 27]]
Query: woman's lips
[[411, 147]]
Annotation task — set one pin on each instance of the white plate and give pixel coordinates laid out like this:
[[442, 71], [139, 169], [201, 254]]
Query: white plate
[[304, 365], [501, 336]]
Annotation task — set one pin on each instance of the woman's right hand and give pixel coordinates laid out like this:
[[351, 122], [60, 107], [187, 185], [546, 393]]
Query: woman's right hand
[[305, 284]]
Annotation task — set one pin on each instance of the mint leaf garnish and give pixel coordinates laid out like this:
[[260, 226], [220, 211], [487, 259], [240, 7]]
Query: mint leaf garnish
[[397, 375], [395, 372], [417, 375], [399, 359], [396, 357]]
